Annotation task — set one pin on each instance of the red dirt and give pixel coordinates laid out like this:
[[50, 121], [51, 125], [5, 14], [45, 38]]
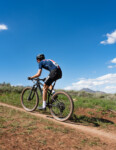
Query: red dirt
[[98, 114], [53, 135]]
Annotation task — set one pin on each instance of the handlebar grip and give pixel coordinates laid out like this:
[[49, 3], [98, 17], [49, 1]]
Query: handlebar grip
[[29, 78]]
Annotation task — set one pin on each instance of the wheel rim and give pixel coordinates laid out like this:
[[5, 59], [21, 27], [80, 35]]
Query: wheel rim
[[61, 107], [29, 103]]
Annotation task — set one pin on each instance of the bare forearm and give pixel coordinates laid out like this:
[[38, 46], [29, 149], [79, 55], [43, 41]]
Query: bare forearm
[[37, 75]]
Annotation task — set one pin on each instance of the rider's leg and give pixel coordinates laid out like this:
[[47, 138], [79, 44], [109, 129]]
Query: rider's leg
[[50, 87], [45, 88]]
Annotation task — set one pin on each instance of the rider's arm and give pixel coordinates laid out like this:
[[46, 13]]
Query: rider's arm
[[37, 74]]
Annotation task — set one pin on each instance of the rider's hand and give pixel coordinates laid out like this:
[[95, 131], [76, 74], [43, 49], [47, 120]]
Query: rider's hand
[[29, 78]]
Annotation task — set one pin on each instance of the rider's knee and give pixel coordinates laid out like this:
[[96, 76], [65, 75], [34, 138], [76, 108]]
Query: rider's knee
[[45, 87], [50, 87]]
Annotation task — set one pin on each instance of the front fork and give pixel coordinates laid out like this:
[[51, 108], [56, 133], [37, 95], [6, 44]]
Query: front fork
[[32, 93]]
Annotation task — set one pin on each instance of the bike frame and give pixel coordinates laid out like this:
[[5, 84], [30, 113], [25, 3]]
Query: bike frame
[[38, 85]]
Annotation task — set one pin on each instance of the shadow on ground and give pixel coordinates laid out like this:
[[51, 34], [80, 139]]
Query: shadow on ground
[[85, 120]]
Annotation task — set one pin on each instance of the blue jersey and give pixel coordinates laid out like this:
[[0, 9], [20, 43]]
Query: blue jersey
[[48, 64]]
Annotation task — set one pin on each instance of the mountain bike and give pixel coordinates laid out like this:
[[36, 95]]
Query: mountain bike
[[60, 103]]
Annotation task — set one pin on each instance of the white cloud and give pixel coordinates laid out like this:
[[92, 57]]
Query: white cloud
[[111, 38], [110, 87], [110, 67], [104, 83], [3, 27], [113, 61]]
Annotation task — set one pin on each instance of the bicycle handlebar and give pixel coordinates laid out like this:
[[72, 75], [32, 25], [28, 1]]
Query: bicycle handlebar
[[38, 79]]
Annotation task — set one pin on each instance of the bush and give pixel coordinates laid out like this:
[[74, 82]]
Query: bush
[[6, 87], [97, 95]]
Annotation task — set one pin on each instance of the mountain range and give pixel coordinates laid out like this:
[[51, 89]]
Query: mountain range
[[91, 91]]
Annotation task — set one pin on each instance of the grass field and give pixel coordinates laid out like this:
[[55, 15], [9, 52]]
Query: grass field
[[79, 102], [89, 108]]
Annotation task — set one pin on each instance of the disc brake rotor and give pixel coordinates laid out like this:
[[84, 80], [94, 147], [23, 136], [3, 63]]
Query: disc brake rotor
[[61, 106]]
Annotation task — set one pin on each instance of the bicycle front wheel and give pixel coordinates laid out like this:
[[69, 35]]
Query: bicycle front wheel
[[29, 99], [62, 106]]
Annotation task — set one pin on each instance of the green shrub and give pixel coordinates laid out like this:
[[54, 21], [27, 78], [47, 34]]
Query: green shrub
[[6, 87]]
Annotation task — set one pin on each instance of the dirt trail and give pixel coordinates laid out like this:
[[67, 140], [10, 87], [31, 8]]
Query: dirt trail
[[106, 136]]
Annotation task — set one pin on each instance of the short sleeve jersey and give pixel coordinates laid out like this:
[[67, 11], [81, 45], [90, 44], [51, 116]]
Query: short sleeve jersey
[[48, 64]]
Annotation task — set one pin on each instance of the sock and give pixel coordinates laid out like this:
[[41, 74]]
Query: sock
[[53, 92], [44, 104]]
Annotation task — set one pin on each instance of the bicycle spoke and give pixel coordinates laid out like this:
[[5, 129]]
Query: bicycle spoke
[[62, 107]]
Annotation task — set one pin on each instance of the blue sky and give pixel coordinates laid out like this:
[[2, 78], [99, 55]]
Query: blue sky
[[79, 35]]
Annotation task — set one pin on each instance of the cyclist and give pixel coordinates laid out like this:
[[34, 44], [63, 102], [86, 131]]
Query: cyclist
[[55, 74]]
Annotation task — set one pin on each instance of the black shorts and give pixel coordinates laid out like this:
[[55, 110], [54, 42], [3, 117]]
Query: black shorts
[[53, 76]]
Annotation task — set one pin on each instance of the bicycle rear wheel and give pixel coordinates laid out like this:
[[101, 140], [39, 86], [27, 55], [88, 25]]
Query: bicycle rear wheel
[[62, 106], [29, 99]]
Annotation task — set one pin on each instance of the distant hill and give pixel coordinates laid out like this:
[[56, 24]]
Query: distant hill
[[91, 91]]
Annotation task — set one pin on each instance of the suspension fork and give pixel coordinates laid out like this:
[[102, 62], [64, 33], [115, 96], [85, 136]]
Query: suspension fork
[[32, 93], [40, 90]]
